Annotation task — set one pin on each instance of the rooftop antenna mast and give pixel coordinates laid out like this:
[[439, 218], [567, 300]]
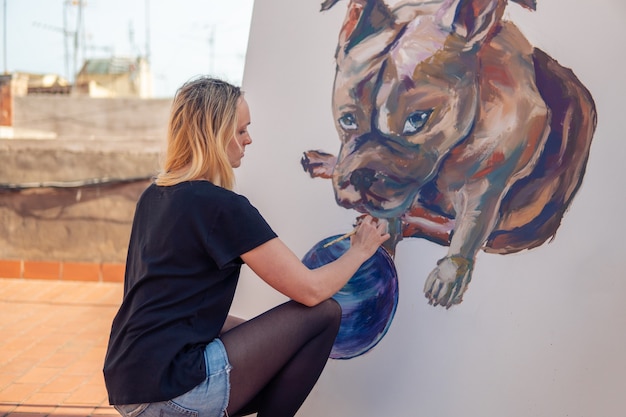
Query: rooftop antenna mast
[[77, 34], [66, 36], [4, 47], [147, 31]]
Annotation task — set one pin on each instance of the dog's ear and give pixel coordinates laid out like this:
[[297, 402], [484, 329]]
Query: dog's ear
[[364, 18], [326, 5], [472, 20], [529, 4]]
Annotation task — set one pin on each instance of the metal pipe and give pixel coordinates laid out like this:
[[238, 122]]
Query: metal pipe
[[4, 48]]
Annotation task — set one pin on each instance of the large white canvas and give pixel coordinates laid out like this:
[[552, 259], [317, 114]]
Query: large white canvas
[[539, 333]]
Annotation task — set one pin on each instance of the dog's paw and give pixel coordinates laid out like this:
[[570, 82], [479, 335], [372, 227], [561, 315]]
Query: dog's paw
[[447, 283]]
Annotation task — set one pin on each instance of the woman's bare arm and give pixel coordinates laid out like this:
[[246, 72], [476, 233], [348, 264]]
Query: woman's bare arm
[[277, 265]]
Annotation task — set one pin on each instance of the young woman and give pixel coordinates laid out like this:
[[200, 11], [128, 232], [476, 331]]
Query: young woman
[[173, 349]]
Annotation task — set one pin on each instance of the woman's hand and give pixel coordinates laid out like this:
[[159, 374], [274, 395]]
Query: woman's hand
[[370, 234]]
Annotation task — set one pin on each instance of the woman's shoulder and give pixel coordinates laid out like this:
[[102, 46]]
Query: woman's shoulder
[[207, 188], [199, 191]]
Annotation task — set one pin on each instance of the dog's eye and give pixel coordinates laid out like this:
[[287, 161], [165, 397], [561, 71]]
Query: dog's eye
[[416, 121], [348, 122]]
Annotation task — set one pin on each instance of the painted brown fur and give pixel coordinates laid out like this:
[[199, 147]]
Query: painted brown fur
[[455, 129]]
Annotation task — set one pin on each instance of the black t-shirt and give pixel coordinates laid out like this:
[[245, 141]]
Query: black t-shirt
[[181, 273]]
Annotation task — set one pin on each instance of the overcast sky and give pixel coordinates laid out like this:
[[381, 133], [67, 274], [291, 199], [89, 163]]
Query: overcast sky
[[187, 37]]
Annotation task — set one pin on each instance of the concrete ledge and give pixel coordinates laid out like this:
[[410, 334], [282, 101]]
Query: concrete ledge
[[7, 132], [26, 161]]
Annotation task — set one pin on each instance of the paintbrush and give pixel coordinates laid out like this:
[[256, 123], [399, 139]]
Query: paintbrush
[[340, 238]]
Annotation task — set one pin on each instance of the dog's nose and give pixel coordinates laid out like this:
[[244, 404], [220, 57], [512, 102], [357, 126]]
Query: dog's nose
[[363, 178]]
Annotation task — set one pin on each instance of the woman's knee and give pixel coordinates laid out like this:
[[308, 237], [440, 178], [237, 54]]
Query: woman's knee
[[334, 306], [332, 311], [325, 315]]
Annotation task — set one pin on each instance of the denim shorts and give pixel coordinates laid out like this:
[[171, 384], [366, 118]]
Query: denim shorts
[[209, 399]]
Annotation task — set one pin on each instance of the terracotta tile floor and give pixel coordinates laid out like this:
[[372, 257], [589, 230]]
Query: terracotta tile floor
[[53, 337]]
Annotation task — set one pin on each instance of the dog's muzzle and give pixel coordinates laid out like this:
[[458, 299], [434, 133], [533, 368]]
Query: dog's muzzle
[[362, 179]]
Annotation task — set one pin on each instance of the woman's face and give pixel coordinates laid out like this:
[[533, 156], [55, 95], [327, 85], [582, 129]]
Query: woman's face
[[237, 146]]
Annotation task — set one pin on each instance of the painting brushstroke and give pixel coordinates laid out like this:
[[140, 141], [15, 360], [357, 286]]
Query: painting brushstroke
[[455, 129]]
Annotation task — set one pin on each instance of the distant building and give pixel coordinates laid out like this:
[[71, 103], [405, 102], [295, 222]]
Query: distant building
[[25, 83], [6, 101], [46, 84], [116, 77]]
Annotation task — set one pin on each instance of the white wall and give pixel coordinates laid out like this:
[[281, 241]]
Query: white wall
[[539, 333]]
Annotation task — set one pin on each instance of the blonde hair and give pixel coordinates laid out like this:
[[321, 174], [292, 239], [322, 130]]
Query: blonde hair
[[203, 120]]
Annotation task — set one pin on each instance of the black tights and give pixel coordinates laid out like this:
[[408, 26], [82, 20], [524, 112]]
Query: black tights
[[278, 356]]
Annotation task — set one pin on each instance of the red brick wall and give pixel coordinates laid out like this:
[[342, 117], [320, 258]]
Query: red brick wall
[[64, 271]]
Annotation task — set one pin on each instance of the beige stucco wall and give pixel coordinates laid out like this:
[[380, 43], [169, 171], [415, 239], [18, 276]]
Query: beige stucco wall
[[93, 118], [72, 198]]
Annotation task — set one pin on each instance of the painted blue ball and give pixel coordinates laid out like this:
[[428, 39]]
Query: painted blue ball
[[368, 300]]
